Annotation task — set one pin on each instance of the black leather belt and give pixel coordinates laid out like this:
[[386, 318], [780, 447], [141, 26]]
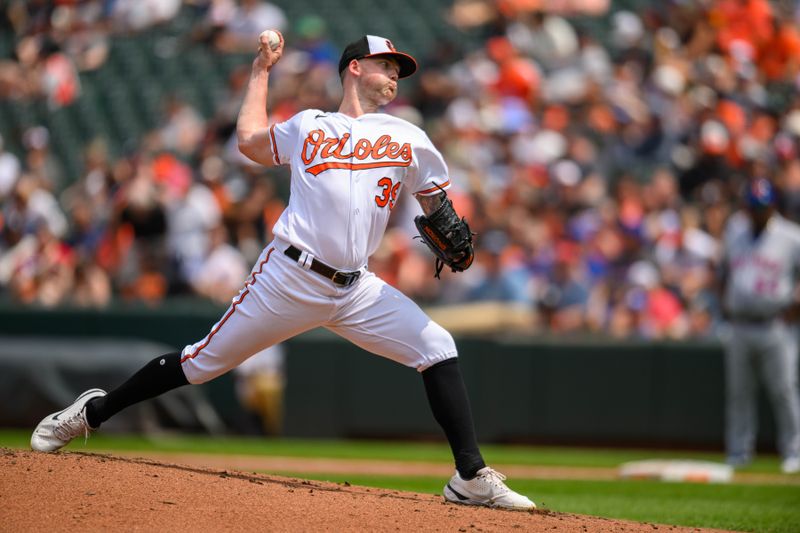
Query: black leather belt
[[339, 277]]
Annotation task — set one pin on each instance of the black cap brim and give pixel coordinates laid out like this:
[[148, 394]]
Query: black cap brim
[[408, 65]]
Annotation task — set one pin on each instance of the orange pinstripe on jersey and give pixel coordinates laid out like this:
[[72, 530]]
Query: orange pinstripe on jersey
[[275, 157], [232, 309], [434, 189], [322, 167]]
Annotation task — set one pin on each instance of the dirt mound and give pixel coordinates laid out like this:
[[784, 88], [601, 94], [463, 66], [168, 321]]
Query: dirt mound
[[96, 492]]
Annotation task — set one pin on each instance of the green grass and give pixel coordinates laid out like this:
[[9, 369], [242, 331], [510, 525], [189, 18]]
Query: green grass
[[386, 450], [762, 508], [743, 507]]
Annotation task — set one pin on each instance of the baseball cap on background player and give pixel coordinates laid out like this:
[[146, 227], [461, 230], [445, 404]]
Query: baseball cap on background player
[[373, 46], [760, 194]]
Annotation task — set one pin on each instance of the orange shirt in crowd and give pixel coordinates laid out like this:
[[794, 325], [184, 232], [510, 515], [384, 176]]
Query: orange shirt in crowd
[[779, 57], [749, 21]]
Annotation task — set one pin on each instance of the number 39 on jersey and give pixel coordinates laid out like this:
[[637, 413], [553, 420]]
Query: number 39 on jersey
[[388, 194]]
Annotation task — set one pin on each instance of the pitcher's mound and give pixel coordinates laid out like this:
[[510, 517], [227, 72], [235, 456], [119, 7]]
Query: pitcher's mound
[[95, 492]]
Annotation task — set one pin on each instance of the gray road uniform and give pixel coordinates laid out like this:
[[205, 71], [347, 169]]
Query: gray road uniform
[[761, 280]]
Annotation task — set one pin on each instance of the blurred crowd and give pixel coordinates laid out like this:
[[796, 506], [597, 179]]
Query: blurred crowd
[[597, 168]]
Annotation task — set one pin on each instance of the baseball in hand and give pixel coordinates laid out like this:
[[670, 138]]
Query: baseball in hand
[[272, 38]]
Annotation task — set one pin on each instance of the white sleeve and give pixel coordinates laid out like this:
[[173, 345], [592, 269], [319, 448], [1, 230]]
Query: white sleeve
[[283, 138], [794, 229], [428, 171]]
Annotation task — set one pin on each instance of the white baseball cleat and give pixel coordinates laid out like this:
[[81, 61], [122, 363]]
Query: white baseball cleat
[[57, 429], [790, 465], [486, 488]]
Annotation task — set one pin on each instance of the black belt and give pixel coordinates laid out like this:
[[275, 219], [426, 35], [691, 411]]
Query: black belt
[[339, 277]]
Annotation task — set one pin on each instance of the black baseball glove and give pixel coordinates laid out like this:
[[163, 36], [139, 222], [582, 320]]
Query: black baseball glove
[[448, 237]]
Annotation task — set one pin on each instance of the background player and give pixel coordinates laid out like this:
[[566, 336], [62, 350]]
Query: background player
[[762, 256], [347, 170]]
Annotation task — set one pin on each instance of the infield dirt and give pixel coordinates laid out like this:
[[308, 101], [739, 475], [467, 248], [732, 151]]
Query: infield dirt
[[96, 492]]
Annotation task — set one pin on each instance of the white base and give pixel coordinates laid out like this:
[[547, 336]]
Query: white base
[[677, 470]]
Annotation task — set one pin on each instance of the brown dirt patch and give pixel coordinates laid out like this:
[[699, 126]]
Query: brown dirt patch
[[313, 465], [97, 492]]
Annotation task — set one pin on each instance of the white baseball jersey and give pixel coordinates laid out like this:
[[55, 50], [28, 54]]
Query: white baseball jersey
[[346, 176], [762, 270]]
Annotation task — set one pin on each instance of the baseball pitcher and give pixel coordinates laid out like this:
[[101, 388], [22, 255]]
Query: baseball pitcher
[[347, 169]]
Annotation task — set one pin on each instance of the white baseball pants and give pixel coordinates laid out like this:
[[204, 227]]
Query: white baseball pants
[[281, 299]]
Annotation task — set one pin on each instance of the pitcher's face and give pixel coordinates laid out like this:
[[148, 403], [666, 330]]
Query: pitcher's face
[[378, 80]]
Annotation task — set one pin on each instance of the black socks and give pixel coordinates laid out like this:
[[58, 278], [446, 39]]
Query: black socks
[[444, 386], [160, 375], [448, 399]]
